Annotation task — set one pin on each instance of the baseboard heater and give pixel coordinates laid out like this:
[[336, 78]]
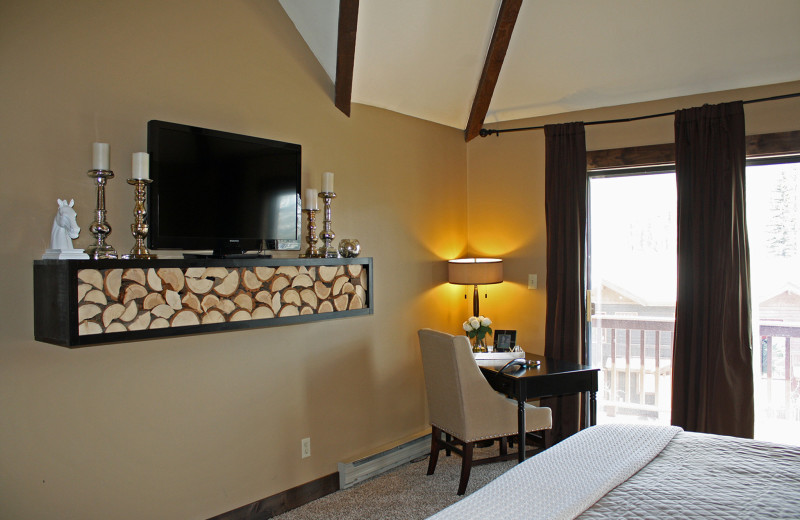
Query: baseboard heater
[[383, 459]]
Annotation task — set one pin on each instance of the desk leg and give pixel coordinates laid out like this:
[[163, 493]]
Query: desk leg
[[521, 423], [522, 397], [592, 408]]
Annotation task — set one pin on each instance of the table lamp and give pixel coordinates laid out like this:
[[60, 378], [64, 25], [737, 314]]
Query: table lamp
[[475, 271]]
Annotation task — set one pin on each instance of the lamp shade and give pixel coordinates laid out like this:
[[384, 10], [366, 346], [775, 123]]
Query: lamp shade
[[475, 271]]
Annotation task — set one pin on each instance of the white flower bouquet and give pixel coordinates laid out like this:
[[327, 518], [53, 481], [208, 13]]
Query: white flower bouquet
[[477, 327]]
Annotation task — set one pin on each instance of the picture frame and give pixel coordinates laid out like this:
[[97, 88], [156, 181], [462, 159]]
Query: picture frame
[[505, 340]]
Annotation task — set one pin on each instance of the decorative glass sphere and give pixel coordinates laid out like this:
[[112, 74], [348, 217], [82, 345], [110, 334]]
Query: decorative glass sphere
[[349, 247]]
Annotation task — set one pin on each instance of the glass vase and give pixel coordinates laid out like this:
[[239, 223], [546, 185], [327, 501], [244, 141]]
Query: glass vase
[[479, 344]]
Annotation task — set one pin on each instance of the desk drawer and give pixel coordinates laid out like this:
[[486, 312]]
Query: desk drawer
[[501, 384]]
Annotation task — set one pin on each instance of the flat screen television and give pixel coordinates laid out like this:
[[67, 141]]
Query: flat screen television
[[219, 191]]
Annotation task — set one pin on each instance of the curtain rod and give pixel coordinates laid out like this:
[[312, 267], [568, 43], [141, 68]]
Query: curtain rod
[[486, 131]]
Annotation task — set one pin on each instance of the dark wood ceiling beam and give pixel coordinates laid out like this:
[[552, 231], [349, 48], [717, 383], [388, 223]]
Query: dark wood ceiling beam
[[501, 37], [345, 53]]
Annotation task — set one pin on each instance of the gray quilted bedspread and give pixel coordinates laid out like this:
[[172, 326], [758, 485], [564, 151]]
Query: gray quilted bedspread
[[709, 476]]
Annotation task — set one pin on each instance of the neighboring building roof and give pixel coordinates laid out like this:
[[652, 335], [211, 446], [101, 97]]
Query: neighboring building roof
[[789, 296], [609, 292]]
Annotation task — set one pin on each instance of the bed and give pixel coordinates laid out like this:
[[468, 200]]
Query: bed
[[643, 471]]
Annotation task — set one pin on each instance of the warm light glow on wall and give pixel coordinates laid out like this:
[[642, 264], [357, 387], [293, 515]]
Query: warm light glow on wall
[[502, 240]]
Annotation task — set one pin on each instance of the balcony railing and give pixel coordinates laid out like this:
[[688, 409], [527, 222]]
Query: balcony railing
[[780, 369], [635, 355]]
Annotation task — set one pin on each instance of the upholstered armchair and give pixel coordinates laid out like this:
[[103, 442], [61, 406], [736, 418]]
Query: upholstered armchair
[[463, 405]]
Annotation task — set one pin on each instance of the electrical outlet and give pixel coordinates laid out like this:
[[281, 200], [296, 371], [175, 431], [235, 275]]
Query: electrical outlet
[[533, 281], [305, 447]]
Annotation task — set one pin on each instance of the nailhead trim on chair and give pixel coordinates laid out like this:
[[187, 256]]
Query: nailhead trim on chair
[[485, 438]]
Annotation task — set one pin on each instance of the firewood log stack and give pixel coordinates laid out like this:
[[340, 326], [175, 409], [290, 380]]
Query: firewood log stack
[[119, 300]]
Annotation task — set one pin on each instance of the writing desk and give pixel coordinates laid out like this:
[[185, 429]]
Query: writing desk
[[552, 377]]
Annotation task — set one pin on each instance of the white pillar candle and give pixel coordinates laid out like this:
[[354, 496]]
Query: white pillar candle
[[327, 182], [141, 165], [100, 156], [310, 200]]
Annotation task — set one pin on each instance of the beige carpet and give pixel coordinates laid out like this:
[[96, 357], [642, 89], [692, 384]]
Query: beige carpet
[[404, 493]]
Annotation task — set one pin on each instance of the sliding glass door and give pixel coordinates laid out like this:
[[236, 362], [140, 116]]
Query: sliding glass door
[[632, 282]]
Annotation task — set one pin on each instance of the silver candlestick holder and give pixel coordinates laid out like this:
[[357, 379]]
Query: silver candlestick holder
[[139, 228], [312, 251], [99, 227], [327, 235]]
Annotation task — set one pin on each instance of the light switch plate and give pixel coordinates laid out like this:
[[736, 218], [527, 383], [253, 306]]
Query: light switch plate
[[533, 281]]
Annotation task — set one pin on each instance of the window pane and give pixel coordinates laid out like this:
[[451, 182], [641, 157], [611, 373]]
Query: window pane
[[773, 219], [633, 274]]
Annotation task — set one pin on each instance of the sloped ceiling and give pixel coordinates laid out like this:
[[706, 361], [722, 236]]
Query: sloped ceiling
[[424, 57]]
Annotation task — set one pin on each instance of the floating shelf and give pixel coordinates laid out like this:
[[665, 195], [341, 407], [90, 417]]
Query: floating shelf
[[86, 302]]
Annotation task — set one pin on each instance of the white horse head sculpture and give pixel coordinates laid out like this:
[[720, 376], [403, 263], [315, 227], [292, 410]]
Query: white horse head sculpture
[[65, 227]]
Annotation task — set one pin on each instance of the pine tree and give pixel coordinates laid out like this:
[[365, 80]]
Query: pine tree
[[784, 226]]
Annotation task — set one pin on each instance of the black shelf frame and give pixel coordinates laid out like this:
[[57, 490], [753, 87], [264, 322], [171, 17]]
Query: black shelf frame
[[55, 296]]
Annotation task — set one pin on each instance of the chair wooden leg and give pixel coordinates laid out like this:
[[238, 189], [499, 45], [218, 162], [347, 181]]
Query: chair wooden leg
[[503, 446], [447, 449], [436, 435], [466, 467]]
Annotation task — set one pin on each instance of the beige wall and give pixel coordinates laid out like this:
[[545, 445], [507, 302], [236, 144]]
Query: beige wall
[[506, 190], [195, 426]]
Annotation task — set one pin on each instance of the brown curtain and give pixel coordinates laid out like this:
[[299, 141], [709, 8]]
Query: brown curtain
[[565, 209], [712, 380]]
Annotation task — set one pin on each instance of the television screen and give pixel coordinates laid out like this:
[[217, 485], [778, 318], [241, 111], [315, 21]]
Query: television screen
[[221, 191]]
